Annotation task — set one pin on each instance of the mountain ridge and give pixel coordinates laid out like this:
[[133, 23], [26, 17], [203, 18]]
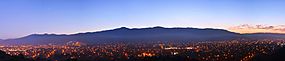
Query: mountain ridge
[[135, 34]]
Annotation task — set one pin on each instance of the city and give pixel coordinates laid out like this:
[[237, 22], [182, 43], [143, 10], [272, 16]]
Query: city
[[233, 50]]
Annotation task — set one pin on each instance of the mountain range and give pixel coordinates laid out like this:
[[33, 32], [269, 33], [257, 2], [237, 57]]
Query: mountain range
[[137, 35]]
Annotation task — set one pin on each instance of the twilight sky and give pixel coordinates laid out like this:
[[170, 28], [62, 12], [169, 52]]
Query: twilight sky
[[19, 18]]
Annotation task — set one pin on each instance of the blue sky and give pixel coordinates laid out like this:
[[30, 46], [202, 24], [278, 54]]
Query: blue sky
[[19, 18]]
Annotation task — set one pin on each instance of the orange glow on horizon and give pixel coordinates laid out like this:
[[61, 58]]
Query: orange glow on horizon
[[257, 29], [243, 31]]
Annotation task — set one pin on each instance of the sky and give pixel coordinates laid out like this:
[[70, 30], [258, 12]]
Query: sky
[[20, 18]]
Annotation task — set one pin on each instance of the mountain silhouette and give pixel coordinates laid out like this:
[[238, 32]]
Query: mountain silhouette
[[136, 34]]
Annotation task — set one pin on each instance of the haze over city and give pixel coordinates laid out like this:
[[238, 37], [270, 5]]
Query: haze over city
[[20, 18]]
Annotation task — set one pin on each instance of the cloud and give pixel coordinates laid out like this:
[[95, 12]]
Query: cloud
[[247, 28]]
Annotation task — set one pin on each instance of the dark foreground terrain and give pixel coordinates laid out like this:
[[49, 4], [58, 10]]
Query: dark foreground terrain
[[276, 56], [6, 57]]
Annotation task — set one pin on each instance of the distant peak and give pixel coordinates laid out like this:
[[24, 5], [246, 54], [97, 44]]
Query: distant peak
[[123, 28], [158, 27]]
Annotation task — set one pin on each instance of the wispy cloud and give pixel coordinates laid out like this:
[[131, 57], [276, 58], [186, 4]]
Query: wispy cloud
[[247, 28]]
